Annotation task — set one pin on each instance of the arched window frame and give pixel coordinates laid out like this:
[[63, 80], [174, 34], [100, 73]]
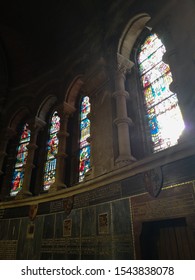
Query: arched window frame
[[84, 135], [154, 115], [51, 151], [21, 157], [133, 35]]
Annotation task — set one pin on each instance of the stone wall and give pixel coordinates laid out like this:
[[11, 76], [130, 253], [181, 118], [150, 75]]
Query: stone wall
[[104, 223]]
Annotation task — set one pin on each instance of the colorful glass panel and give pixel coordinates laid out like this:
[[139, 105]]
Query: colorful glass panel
[[22, 153], [52, 149], [163, 112], [84, 156]]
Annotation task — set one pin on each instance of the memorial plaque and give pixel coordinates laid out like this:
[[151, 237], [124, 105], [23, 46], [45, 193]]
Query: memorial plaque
[[67, 227], [123, 247], [103, 194], [179, 201], [88, 248], [106, 193], [30, 231], [103, 223], [47, 245]]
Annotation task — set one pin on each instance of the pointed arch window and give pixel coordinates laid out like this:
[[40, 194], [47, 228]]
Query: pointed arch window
[[52, 149], [163, 113], [84, 155], [22, 153]]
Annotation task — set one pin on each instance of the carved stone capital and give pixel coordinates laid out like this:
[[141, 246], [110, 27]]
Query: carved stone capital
[[124, 160], [23, 194], [68, 109], [120, 93], [36, 124], [127, 120], [124, 64]]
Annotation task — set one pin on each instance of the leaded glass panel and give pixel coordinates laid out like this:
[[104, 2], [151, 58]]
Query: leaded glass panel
[[19, 168], [84, 156], [163, 113], [52, 149]]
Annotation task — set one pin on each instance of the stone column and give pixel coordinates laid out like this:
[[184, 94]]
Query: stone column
[[7, 135], [64, 112], [122, 120], [35, 125]]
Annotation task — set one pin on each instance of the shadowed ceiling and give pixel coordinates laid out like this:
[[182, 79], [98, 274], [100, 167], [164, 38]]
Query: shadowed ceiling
[[38, 35]]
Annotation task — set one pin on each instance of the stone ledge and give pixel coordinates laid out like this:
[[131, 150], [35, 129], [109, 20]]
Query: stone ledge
[[180, 151]]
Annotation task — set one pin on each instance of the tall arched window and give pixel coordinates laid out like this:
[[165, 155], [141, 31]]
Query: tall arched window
[[22, 153], [84, 159], [163, 112], [52, 149]]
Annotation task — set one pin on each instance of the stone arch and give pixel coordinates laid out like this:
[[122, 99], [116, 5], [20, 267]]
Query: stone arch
[[21, 114], [73, 90], [131, 33], [45, 106]]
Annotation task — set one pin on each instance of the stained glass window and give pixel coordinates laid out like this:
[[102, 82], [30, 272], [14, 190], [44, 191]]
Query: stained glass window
[[163, 112], [22, 153], [52, 149], [84, 159]]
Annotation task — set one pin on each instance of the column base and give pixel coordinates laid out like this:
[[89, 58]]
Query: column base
[[56, 187], [124, 160], [23, 194]]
